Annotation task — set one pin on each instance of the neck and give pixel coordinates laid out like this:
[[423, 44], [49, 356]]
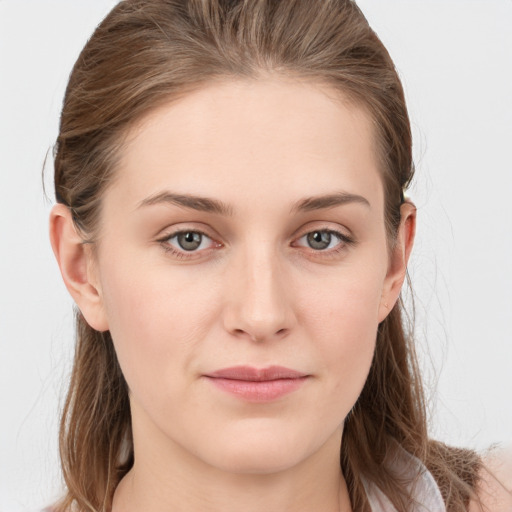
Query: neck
[[166, 477]]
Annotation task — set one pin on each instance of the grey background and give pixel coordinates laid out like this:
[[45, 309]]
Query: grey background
[[455, 58]]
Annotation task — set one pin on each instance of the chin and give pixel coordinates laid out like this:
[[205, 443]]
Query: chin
[[262, 450]]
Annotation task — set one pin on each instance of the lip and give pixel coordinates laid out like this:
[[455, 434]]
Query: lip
[[257, 385]]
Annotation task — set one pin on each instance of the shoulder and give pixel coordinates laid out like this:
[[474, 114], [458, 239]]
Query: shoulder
[[495, 483]]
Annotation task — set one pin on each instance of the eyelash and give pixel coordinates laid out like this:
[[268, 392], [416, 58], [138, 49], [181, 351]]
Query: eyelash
[[182, 254], [344, 242]]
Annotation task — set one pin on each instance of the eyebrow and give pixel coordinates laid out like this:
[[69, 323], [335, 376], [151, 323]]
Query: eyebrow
[[329, 201], [209, 205], [202, 204]]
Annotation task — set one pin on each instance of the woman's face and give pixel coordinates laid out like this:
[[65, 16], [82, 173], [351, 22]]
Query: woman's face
[[244, 232]]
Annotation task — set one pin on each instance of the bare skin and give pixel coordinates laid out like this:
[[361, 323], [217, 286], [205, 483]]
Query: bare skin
[[291, 266], [495, 485]]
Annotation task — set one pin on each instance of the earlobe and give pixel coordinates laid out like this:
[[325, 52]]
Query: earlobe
[[74, 258], [399, 257]]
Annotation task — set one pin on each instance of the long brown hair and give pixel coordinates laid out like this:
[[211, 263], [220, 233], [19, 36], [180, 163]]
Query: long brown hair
[[148, 52]]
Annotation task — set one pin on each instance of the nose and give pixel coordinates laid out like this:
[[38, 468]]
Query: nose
[[259, 302]]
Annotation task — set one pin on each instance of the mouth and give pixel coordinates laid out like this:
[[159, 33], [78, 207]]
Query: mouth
[[257, 385]]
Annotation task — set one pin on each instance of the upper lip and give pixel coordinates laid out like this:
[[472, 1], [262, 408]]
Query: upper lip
[[249, 373]]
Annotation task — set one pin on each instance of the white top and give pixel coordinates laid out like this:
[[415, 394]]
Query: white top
[[423, 488]]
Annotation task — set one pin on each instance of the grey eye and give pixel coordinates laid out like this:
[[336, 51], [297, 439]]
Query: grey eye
[[189, 241], [319, 240]]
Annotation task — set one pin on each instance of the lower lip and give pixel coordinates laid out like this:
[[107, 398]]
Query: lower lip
[[258, 391]]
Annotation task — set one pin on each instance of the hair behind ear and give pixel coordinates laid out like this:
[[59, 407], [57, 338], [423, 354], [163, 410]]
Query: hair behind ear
[[96, 447], [391, 409]]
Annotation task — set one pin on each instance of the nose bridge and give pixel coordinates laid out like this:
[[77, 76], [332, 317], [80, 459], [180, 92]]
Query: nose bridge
[[260, 307]]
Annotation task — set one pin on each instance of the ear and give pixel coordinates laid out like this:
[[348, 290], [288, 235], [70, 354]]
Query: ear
[[399, 257], [76, 262]]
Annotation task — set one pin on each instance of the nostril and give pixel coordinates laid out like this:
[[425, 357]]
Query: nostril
[[259, 336]]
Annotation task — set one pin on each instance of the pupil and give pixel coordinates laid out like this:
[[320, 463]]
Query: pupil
[[319, 240], [189, 241]]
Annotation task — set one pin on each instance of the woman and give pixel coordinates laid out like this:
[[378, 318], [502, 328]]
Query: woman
[[231, 224]]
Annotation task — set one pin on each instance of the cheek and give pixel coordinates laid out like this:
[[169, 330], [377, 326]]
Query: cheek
[[156, 319], [343, 321], [346, 306]]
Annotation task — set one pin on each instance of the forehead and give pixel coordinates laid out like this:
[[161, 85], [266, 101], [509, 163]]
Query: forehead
[[252, 140]]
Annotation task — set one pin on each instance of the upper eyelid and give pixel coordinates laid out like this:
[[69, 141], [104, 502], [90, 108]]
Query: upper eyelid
[[181, 253], [169, 232], [328, 230], [343, 239], [170, 236], [323, 226]]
